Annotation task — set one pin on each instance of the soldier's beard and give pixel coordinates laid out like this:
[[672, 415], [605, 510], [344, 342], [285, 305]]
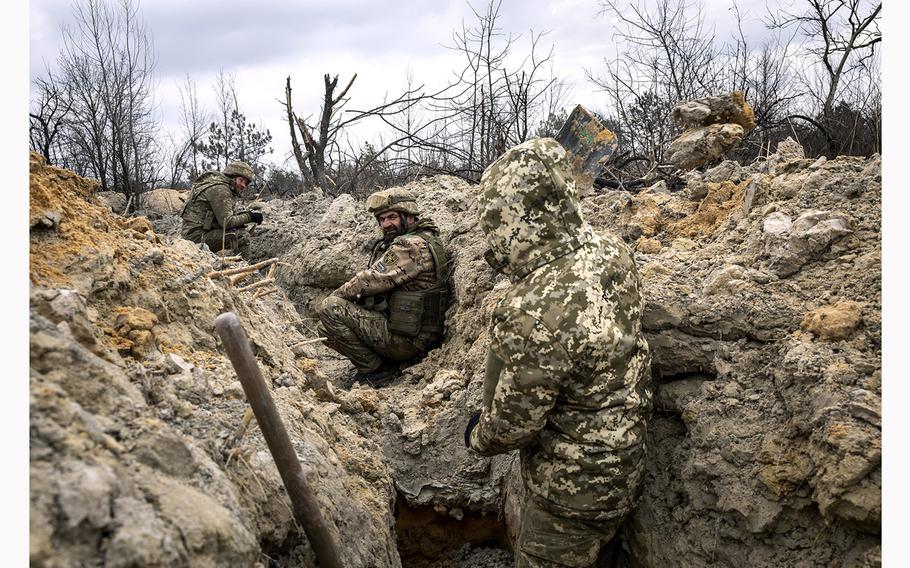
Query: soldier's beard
[[388, 235]]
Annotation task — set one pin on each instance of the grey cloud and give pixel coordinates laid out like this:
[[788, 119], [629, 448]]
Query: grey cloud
[[204, 36]]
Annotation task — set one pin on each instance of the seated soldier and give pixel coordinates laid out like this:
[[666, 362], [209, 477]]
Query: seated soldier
[[208, 215], [394, 310]]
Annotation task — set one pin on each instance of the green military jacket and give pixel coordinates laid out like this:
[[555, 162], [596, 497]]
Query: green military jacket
[[568, 368], [210, 205]]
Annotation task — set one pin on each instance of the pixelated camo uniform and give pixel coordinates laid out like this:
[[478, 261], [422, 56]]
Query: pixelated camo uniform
[[354, 317], [208, 215], [568, 370]]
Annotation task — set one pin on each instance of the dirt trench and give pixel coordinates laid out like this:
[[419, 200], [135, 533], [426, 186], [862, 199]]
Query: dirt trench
[[763, 313]]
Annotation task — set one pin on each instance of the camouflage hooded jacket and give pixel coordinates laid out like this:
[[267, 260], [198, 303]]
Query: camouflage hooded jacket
[[568, 369], [210, 205], [406, 263]]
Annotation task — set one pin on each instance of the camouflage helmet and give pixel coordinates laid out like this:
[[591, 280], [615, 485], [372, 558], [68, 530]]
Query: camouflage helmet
[[394, 199], [238, 168]]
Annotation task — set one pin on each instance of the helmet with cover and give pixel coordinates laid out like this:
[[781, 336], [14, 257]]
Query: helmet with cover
[[238, 168], [394, 199]]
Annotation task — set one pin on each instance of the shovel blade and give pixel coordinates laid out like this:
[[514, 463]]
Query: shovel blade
[[587, 140]]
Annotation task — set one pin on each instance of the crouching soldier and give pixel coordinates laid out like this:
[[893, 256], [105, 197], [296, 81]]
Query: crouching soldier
[[394, 310], [208, 214]]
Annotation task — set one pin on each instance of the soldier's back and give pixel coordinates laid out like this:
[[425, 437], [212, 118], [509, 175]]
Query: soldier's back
[[197, 216]]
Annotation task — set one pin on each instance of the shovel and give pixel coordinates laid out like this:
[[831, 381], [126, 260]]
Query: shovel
[[588, 142], [306, 508]]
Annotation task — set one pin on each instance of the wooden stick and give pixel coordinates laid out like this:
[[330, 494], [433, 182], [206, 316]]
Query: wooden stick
[[128, 203], [241, 269], [238, 277], [254, 285], [244, 424], [261, 293], [232, 443], [307, 342]]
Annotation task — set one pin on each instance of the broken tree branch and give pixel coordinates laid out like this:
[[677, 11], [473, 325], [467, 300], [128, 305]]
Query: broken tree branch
[[242, 269], [262, 293], [254, 285]]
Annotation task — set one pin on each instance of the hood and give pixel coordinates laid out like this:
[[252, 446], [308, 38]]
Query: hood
[[530, 212]]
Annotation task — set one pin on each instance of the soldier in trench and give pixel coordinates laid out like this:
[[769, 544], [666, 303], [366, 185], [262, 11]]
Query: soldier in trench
[[568, 368], [208, 215], [393, 310]]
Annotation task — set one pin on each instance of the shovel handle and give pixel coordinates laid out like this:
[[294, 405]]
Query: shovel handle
[[306, 508]]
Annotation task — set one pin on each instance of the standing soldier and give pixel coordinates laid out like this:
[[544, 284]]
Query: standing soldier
[[208, 215], [568, 368], [394, 310]]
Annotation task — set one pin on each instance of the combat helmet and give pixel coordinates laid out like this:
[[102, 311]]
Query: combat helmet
[[394, 199], [238, 168]]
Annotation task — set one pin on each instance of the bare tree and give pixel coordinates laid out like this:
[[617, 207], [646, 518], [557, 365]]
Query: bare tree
[[669, 57], [488, 106], [230, 136], [766, 78], [194, 119], [217, 148], [107, 63], [313, 164], [299, 156], [843, 36], [48, 117], [175, 156]]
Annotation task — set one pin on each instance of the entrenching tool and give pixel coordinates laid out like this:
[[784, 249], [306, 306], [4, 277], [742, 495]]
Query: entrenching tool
[[588, 141], [306, 509]]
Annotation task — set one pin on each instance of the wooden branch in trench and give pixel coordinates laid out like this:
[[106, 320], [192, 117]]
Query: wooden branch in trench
[[261, 293], [254, 285], [242, 269], [307, 342], [229, 259], [233, 442], [238, 277]]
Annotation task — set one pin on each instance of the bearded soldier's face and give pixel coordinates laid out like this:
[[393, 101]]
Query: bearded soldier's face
[[390, 222]]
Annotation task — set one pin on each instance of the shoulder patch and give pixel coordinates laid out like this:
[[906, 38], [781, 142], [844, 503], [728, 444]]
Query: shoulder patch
[[389, 258]]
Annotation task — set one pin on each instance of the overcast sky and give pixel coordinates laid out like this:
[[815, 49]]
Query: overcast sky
[[263, 42]]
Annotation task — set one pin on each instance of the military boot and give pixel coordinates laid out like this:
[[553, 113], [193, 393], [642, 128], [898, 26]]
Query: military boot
[[380, 377]]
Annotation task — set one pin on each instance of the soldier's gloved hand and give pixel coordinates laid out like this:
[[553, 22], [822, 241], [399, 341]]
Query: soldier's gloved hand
[[255, 217], [475, 418]]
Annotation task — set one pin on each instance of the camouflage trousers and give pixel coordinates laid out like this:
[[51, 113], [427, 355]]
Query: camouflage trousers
[[237, 241], [546, 540], [363, 335], [234, 240]]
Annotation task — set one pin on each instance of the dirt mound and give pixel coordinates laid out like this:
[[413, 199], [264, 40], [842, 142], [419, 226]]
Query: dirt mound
[[763, 313], [163, 201], [135, 457]]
